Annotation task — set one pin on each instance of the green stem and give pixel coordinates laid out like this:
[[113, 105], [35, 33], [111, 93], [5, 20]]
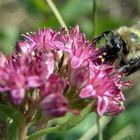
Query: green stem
[[23, 132], [42, 132], [94, 17], [100, 134], [56, 13]]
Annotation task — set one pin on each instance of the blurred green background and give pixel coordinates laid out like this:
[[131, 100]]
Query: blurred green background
[[21, 16]]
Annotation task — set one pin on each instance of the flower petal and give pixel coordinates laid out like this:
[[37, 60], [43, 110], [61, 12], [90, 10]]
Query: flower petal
[[75, 62], [34, 81], [102, 105], [87, 91], [18, 95]]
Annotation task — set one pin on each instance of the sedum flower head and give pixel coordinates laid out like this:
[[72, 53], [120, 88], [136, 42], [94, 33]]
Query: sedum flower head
[[60, 68]]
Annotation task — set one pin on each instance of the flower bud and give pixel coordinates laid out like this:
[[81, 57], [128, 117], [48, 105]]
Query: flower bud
[[54, 105]]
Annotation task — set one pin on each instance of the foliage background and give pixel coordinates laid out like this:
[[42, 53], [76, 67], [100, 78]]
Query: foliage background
[[21, 16]]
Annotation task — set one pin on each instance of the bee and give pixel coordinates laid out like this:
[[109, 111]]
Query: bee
[[121, 48]]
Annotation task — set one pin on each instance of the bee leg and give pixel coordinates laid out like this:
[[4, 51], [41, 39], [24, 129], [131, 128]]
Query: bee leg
[[98, 38], [132, 66]]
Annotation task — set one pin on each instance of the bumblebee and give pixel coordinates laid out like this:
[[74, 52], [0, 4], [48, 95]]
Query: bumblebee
[[121, 48]]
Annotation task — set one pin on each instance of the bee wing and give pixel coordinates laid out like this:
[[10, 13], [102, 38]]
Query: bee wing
[[137, 25]]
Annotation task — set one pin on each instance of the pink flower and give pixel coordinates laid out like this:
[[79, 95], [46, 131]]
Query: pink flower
[[116, 105], [42, 64], [103, 86], [78, 48], [81, 51], [80, 55], [79, 77], [14, 82], [74, 43], [98, 78], [23, 72], [44, 38], [55, 84]]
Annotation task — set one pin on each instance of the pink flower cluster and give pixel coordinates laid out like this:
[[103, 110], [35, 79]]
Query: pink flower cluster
[[57, 63]]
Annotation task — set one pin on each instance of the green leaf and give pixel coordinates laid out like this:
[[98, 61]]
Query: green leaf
[[12, 113], [13, 119], [3, 123], [76, 119], [12, 130], [132, 137]]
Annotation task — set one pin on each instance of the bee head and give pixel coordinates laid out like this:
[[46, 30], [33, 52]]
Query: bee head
[[131, 37], [113, 48]]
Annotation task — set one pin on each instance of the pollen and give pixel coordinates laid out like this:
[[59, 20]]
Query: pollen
[[100, 56], [104, 53], [102, 59]]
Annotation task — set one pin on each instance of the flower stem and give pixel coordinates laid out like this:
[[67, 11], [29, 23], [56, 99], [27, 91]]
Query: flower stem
[[56, 13], [94, 17], [23, 132], [100, 134]]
